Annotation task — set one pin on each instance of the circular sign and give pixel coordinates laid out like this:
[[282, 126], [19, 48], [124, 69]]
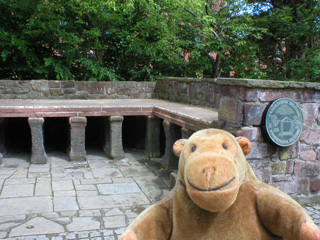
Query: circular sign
[[284, 122]]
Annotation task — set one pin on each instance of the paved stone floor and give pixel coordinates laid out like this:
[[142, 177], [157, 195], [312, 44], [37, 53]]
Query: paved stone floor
[[96, 199]]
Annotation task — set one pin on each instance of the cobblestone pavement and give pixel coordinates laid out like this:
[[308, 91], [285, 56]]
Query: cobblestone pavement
[[96, 199]]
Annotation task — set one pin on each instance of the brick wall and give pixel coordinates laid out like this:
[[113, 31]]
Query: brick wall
[[44, 89], [241, 103]]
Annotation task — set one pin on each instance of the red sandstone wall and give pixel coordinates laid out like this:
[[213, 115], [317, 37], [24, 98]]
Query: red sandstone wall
[[241, 104]]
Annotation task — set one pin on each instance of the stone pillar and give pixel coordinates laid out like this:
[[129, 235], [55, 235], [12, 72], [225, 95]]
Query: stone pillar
[[3, 149], [186, 133], [77, 150], [38, 152], [115, 137], [172, 134], [152, 144], [1, 159]]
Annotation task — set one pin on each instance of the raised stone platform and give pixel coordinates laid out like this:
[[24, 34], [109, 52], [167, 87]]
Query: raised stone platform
[[189, 118]]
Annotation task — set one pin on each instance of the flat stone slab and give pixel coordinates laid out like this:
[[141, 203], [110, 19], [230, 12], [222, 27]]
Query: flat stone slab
[[106, 173], [114, 221], [65, 204], [83, 224], [118, 188], [62, 185], [27, 205], [181, 114], [132, 171], [23, 190], [35, 226], [110, 201], [149, 182]]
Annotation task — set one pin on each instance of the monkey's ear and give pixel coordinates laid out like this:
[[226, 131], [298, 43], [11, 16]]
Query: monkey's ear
[[245, 144], [178, 145]]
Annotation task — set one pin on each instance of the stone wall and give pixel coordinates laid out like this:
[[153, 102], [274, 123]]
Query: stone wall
[[45, 89], [241, 104]]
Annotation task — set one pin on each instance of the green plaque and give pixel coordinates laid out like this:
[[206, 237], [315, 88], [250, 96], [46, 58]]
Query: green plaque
[[284, 122]]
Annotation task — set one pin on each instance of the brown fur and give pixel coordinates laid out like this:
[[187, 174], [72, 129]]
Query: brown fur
[[218, 197]]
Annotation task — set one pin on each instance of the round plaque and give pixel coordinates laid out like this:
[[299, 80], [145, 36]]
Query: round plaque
[[284, 122]]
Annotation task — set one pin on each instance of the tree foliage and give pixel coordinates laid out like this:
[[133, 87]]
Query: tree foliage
[[88, 39], [144, 39], [290, 49]]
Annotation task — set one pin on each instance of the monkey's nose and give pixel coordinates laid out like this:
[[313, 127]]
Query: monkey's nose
[[208, 172]]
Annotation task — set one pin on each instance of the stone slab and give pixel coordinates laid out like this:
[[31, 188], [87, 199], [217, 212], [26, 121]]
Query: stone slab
[[18, 181], [114, 221], [110, 201], [149, 182], [106, 173], [62, 185], [118, 188], [83, 224], [65, 204], [13, 191], [14, 206], [43, 187], [132, 171], [35, 226]]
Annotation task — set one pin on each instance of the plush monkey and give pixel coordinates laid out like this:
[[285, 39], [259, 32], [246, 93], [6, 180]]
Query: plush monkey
[[218, 197]]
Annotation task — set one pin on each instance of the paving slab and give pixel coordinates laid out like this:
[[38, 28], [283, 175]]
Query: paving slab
[[43, 187], [134, 171], [25, 205], [106, 172], [130, 199], [22, 190], [38, 225], [83, 223], [62, 185], [149, 182], [65, 204], [18, 181], [114, 221], [118, 188]]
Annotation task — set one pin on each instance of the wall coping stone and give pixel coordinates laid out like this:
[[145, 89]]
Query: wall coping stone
[[251, 83]]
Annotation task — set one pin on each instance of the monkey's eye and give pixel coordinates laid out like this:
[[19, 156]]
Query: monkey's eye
[[193, 148], [225, 146]]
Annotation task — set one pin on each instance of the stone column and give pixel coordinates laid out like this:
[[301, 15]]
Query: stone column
[[77, 150], [38, 152], [152, 144], [115, 137], [3, 149], [186, 133], [172, 134]]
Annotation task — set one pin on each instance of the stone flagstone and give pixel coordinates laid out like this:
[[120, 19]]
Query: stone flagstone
[[114, 221], [35, 226], [65, 204], [23, 190], [118, 188], [83, 224], [110, 201], [14, 206]]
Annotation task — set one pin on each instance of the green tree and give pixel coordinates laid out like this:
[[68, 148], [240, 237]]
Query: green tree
[[223, 36], [87, 40], [290, 48]]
